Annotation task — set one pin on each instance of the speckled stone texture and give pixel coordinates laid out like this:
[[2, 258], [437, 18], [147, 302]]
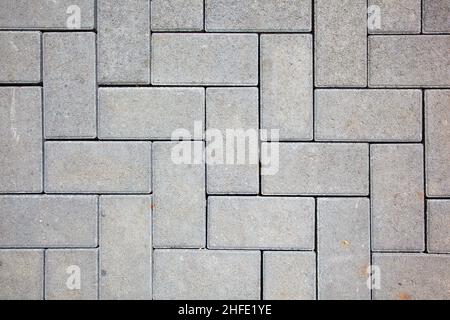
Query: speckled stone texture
[[224, 149]]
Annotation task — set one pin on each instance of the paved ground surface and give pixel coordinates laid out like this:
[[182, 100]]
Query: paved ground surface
[[92, 204]]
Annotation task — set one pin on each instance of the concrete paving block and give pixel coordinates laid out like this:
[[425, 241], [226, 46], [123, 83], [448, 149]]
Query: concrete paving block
[[258, 16], [20, 140], [70, 98], [319, 169], [206, 275], [149, 113], [125, 247], [97, 167], [343, 248], [409, 61], [368, 115], [397, 197], [412, 276], [436, 15], [340, 43], [21, 274], [396, 16], [47, 15], [438, 235], [179, 196], [287, 85], [177, 15], [123, 41], [233, 109], [21, 57], [437, 142], [261, 223], [48, 221], [71, 274], [289, 275], [204, 59]]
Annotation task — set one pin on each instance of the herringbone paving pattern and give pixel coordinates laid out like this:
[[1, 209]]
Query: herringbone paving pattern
[[354, 202]]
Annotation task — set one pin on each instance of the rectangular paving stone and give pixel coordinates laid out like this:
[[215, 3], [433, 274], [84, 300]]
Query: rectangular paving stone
[[179, 195], [125, 247], [177, 15], [397, 197], [150, 113], [438, 230], [409, 276], [287, 85], [97, 167], [123, 41], [340, 43], [70, 98], [409, 61], [257, 16], [21, 57], [395, 16], [319, 169], [21, 274], [206, 275], [437, 142], [48, 221], [343, 248], [204, 59], [261, 223], [289, 275], [436, 15], [47, 15], [71, 274], [235, 171], [368, 115], [20, 140]]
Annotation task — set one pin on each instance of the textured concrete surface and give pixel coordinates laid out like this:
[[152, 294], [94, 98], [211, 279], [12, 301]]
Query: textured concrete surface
[[59, 264], [69, 74], [233, 108], [204, 59], [21, 139], [340, 37], [368, 115], [343, 248], [261, 223], [254, 16], [397, 16], [44, 14], [123, 41], [286, 85], [320, 169], [118, 179], [437, 142], [21, 57], [125, 247], [438, 215], [180, 199], [289, 275], [397, 197], [409, 276], [149, 113], [177, 15], [409, 61], [48, 221], [206, 274], [436, 16]]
